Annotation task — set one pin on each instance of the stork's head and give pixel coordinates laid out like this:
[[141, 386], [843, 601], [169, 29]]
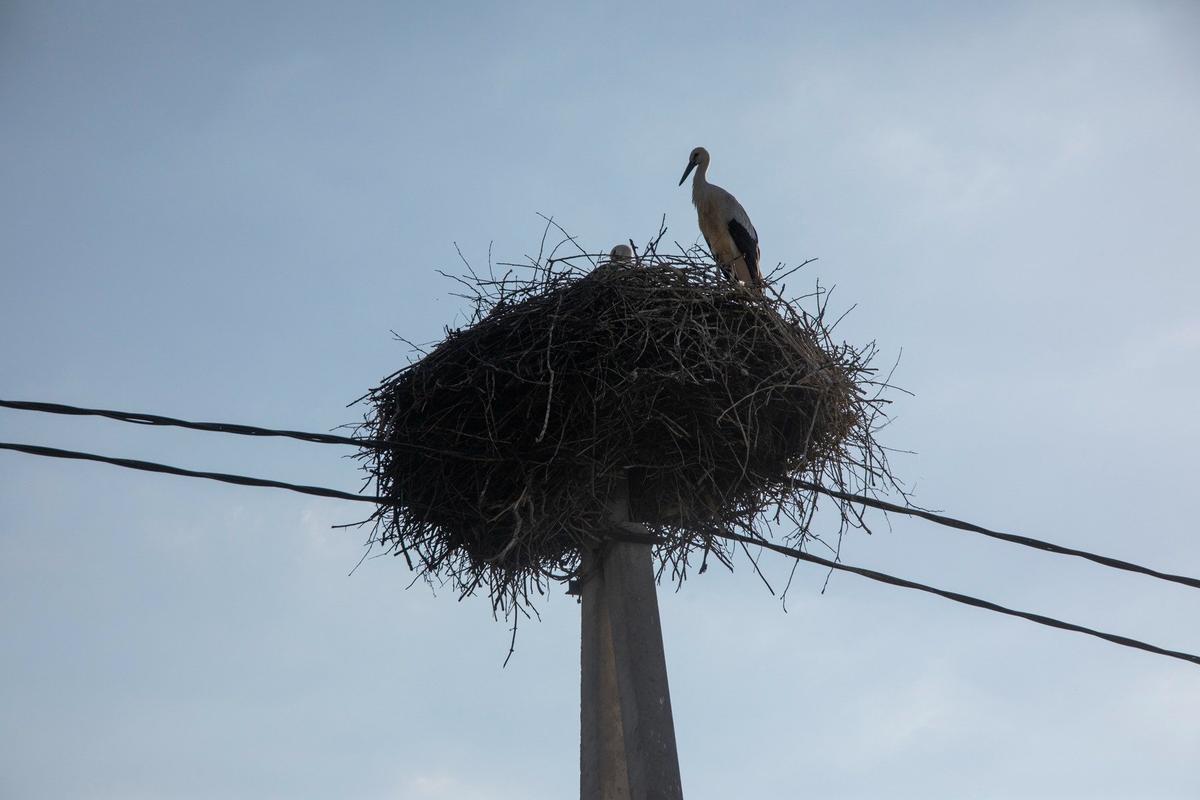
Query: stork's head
[[621, 252], [698, 158]]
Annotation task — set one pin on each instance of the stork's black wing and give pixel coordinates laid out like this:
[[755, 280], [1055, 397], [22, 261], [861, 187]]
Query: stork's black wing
[[748, 247]]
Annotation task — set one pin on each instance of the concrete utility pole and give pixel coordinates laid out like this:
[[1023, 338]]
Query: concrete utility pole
[[627, 734]]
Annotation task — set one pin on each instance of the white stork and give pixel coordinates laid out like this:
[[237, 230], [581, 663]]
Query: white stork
[[725, 224]]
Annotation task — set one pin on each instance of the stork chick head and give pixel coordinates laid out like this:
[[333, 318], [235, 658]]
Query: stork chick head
[[621, 252], [698, 158]]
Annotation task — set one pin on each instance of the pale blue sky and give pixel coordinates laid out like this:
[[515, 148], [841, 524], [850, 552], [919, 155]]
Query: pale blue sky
[[218, 211]]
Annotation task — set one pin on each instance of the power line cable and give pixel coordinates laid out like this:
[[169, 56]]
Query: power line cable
[[874, 575], [140, 418], [150, 466], [1040, 619], [325, 438], [1025, 541]]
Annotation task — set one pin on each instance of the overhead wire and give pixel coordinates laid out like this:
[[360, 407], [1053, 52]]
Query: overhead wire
[[958, 597], [142, 418], [243, 480], [971, 527], [150, 466]]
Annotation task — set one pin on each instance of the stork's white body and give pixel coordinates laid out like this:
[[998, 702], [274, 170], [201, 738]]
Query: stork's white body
[[726, 226]]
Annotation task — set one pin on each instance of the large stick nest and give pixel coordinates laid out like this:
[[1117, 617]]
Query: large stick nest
[[716, 403]]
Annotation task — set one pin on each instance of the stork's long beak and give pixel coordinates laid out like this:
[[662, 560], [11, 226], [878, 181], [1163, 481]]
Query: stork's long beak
[[688, 171]]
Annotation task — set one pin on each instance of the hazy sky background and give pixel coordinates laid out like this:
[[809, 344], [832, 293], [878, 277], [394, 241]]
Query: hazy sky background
[[218, 211]]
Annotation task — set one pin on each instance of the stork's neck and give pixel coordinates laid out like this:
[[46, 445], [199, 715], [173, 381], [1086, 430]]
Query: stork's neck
[[699, 181]]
